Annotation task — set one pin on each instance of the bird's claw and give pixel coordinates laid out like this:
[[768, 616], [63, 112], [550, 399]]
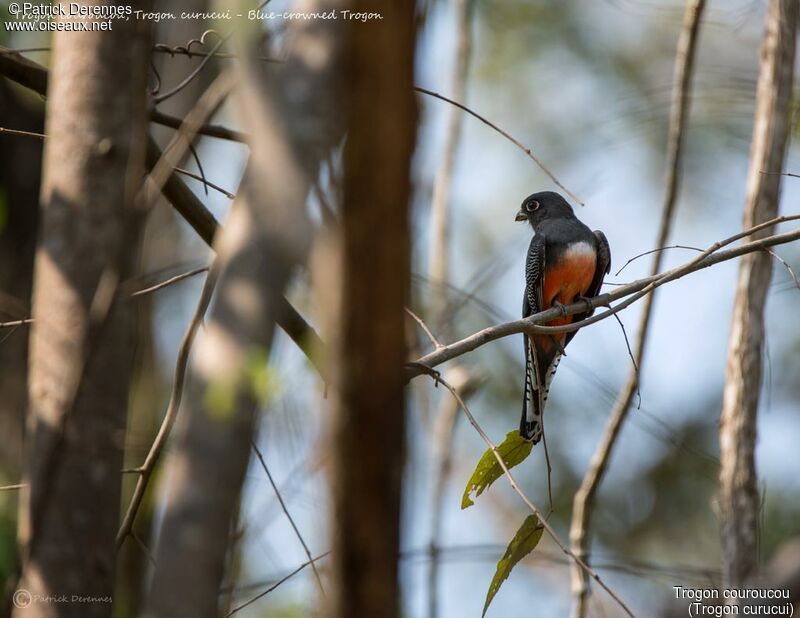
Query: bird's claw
[[560, 307]]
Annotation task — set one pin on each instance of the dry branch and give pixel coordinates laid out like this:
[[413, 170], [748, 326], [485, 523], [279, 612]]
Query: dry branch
[[583, 502], [534, 509], [631, 292], [738, 498]]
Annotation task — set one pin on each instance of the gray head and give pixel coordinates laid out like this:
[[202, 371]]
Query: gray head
[[544, 205]]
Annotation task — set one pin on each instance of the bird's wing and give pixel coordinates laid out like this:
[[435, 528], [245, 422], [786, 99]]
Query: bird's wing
[[603, 263], [602, 268], [532, 303]]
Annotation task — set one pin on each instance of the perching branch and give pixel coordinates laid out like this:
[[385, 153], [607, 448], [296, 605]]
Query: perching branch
[[583, 502], [631, 291]]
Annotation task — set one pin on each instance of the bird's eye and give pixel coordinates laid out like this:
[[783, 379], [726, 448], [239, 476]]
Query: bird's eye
[[531, 206]]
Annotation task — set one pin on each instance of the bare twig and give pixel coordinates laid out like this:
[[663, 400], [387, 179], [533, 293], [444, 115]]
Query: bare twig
[[636, 257], [275, 585], [206, 183], [170, 281], [208, 103], [548, 528], [146, 469], [786, 266], [466, 383], [583, 502], [15, 323], [288, 515], [163, 97], [436, 343], [210, 130], [13, 487], [4, 131], [505, 134], [438, 262]]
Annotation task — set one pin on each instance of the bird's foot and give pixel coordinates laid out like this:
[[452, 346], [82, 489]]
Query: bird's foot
[[560, 307], [586, 301]]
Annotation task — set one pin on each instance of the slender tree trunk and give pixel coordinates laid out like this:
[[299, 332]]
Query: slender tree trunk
[[82, 341], [369, 338], [738, 497]]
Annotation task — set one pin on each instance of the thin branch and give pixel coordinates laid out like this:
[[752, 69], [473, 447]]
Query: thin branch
[[548, 528], [288, 515], [163, 97], [275, 585], [583, 502], [145, 550], [206, 105], [4, 131], [13, 487], [170, 281], [436, 343], [206, 183], [210, 130], [636, 257], [786, 266], [16, 323], [505, 134], [630, 355], [146, 469], [634, 291], [466, 383]]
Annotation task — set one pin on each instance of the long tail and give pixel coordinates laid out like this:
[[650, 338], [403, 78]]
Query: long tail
[[537, 387], [530, 425]]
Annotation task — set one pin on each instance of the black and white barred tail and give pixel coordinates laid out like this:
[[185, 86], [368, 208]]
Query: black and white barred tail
[[531, 425]]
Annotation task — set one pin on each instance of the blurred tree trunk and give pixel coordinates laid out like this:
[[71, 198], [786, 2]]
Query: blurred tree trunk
[[20, 168], [291, 110], [82, 341], [162, 244], [738, 498], [370, 344]]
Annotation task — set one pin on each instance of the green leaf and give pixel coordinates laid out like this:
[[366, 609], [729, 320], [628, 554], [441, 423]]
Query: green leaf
[[513, 450], [524, 542]]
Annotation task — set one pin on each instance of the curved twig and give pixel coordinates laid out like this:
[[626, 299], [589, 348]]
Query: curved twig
[[505, 134], [146, 469]]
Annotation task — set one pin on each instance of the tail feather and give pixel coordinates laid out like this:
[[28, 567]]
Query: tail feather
[[534, 400]]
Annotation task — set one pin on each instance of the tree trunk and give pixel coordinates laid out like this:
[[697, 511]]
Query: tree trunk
[[369, 338], [82, 341], [738, 497]]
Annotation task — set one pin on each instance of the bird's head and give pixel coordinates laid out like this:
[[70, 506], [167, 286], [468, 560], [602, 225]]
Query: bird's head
[[544, 205]]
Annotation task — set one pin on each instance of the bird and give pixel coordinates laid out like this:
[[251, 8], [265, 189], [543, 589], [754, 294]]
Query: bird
[[566, 263]]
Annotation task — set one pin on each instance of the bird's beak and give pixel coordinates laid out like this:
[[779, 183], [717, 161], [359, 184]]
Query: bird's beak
[[521, 216]]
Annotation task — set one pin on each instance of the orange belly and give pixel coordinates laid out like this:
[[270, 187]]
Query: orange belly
[[563, 281]]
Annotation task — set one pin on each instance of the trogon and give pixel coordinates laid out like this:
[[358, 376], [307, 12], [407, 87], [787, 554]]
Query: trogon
[[566, 263]]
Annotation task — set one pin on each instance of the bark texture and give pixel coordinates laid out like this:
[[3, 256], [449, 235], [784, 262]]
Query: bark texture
[[370, 342], [738, 497], [81, 347]]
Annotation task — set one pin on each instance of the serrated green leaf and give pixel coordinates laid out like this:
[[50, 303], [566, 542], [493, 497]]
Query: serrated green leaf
[[524, 542], [513, 450]]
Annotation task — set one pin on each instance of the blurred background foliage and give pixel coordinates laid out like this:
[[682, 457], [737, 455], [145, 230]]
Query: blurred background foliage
[[585, 84]]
